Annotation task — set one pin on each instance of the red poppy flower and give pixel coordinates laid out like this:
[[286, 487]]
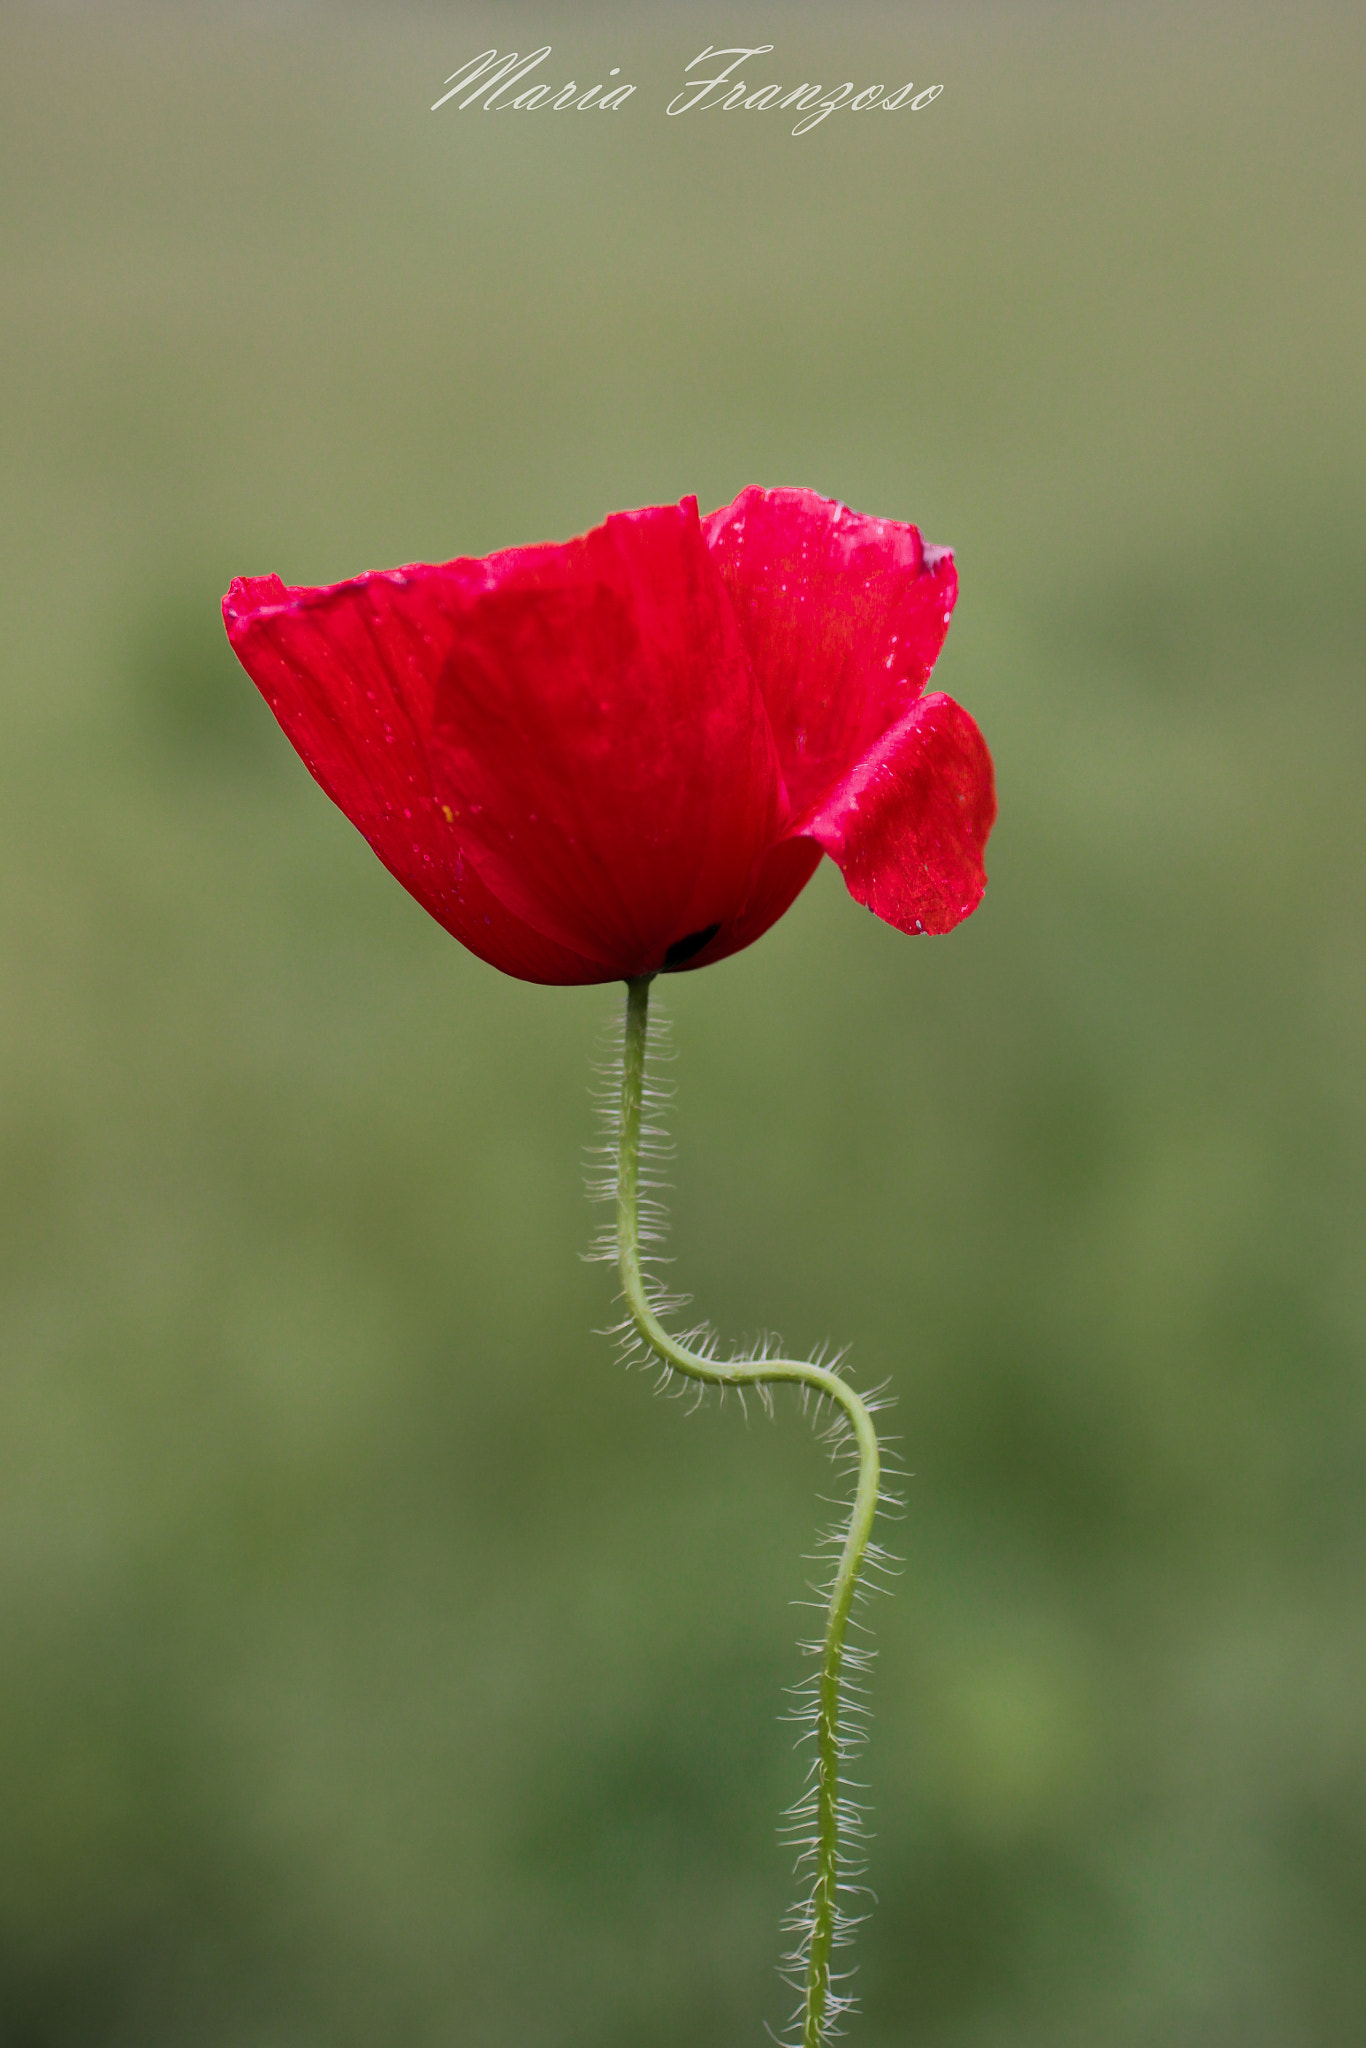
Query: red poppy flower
[[628, 752]]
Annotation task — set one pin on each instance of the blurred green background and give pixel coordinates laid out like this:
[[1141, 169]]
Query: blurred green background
[[381, 1665]]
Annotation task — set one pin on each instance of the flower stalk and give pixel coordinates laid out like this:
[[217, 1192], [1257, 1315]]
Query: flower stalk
[[819, 1921]]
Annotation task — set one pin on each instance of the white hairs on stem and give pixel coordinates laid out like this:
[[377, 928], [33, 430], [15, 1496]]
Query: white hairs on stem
[[826, 1827]]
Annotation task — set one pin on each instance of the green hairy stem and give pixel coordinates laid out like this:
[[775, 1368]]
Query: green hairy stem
[[818, 1919]]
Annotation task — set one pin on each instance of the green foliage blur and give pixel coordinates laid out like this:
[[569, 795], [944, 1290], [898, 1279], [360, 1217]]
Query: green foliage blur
[[382, 1665]]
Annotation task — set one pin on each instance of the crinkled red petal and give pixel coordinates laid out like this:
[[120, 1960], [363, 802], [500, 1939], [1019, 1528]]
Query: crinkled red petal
[[597, 711], [908, 825], [783, 873], [843, 618], [359, 733], [581, 719]]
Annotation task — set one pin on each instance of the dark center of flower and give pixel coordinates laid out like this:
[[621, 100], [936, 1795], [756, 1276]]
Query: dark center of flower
[[684, 950]]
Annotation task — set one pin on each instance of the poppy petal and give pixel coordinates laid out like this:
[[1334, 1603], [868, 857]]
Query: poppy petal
[[576, 726], [616, 773], [843, 617], [908, 826], [783, 873], [359, 737]]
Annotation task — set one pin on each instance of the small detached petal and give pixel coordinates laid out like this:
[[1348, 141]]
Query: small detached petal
[[907, 827]]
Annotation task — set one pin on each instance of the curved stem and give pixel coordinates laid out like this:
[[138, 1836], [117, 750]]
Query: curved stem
[[826, 1385]]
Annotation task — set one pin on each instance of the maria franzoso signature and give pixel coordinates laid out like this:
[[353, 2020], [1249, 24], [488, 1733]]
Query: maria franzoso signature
[[488, 80]]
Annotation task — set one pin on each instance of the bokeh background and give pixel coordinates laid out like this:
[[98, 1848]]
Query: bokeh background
[[381, 1663]]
